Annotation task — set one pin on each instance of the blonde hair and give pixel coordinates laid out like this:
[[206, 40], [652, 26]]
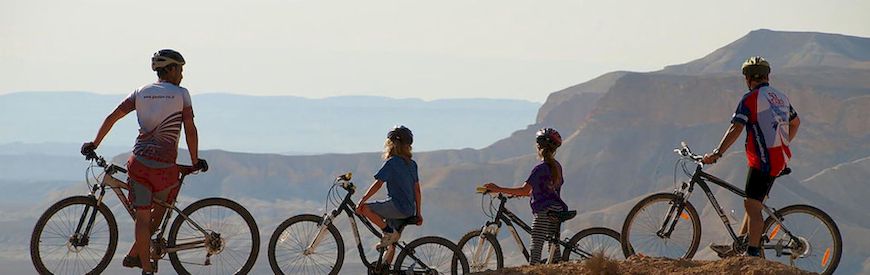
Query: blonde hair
[[392, 148]]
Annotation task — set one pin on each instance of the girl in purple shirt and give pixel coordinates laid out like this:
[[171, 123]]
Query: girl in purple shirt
[[543, 185]]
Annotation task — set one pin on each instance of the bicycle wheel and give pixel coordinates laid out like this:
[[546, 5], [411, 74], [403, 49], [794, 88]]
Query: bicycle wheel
[[483, 252], [640, 230], [817, 245], [233, 241], [287, 247], [55, 248], [431, 255], [594, 240]]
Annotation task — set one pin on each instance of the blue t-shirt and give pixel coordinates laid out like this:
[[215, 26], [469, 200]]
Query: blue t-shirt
[[544, 192], [400, 177]]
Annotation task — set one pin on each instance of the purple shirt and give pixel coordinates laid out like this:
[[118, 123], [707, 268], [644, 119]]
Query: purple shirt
[[544, 191]]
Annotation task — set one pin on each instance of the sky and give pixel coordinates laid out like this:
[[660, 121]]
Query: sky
[[404, 49]]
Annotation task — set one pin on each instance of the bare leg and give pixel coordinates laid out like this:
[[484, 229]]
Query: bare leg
[[372, 216], [753, 210], [143, 238], [388, 255]]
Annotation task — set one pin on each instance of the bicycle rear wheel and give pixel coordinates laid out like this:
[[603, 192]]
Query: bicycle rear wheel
[[815, 244], [431, 255], [289, 242], [483, 252], [640, 232], [55, 248], [233, 238], [591, 241]]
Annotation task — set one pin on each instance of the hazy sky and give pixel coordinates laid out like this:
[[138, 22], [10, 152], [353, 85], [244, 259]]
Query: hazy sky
[[422, 49]]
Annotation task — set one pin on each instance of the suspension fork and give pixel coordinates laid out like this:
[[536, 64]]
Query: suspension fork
[[90, 218], [321, 232], [676, 210]]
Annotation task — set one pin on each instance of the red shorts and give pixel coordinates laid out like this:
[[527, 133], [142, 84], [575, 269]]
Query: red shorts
[[148, 183]]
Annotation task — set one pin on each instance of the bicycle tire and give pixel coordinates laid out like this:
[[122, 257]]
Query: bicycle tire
[[441, 263], [787, 215], [42, 223], [628, 248], [589, 236], [249, 222], [494, 245], [295, 220]]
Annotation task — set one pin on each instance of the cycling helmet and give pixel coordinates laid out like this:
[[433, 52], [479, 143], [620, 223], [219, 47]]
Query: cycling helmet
[[755, 67], [548, 137], [401, 134], [166, 57]]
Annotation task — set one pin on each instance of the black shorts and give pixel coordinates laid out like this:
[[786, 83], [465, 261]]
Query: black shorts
[[758, 184]]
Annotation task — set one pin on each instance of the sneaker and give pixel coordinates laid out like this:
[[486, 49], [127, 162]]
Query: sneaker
[[388, 239], [131, 262], [722, 250]]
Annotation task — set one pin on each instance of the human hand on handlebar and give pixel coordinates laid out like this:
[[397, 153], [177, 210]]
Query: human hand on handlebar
[[88, 150], [490, 186], [419, 220], [711, 158], [201, 165]]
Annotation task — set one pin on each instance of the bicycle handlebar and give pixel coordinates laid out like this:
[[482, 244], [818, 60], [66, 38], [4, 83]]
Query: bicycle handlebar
[[483, 191], [685, 152], [184, 170]]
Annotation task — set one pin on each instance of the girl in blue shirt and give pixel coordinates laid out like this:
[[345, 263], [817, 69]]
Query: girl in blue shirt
[[399, 172]]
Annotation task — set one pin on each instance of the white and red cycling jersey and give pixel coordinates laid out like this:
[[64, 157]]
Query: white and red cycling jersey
[[766, 113], [160, 108]]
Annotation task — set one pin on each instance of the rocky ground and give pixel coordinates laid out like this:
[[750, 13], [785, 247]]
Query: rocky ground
[[653, 266]]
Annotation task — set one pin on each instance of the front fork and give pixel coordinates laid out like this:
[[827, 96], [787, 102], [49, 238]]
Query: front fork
[[82, 235], [321, 233], [491, 229]]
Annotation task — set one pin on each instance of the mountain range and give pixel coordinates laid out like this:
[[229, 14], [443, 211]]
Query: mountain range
[[619, 130]]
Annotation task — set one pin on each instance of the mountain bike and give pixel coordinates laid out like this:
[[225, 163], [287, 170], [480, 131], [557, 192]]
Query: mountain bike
[[482, 248], [666, 224], [311, 244], [79, 234]]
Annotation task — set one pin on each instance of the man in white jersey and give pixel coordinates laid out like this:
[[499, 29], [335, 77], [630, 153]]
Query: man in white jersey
[[161, 108]]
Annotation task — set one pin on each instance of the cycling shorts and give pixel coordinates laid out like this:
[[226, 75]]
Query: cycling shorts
[[147, 183], [758, 184]]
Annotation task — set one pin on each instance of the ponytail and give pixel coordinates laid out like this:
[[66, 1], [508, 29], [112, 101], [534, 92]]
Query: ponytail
[[548, 154]]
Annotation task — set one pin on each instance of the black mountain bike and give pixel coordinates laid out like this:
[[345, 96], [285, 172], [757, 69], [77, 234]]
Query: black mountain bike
[[666, 224], [311, 244], [482, 248], [79, 235]]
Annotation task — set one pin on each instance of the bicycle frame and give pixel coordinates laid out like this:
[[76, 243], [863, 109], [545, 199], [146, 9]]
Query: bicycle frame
[[505, 216], [700, 178], [348, 207], [116, 185]]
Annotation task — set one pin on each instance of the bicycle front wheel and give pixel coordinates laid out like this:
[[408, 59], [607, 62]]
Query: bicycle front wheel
[[483, 252], [815, 244], [431, 255], [656, 227], [56, 248], [229, 246], [592, 241], [289, 251]]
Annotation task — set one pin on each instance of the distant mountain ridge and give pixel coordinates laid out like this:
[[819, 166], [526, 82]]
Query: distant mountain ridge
[[785, 50], [272, 124]]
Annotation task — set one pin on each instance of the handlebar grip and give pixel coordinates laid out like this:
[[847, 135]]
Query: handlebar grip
[[119, 169], [481, 190], [346, 177]]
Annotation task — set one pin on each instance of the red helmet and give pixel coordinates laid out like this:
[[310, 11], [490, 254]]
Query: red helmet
[[548, 137]]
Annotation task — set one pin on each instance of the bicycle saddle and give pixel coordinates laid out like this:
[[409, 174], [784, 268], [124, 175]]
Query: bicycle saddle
[[400, 224], [564, 215]]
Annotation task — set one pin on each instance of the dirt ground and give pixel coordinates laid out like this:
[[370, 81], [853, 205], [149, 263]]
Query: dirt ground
[[654, 266]]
